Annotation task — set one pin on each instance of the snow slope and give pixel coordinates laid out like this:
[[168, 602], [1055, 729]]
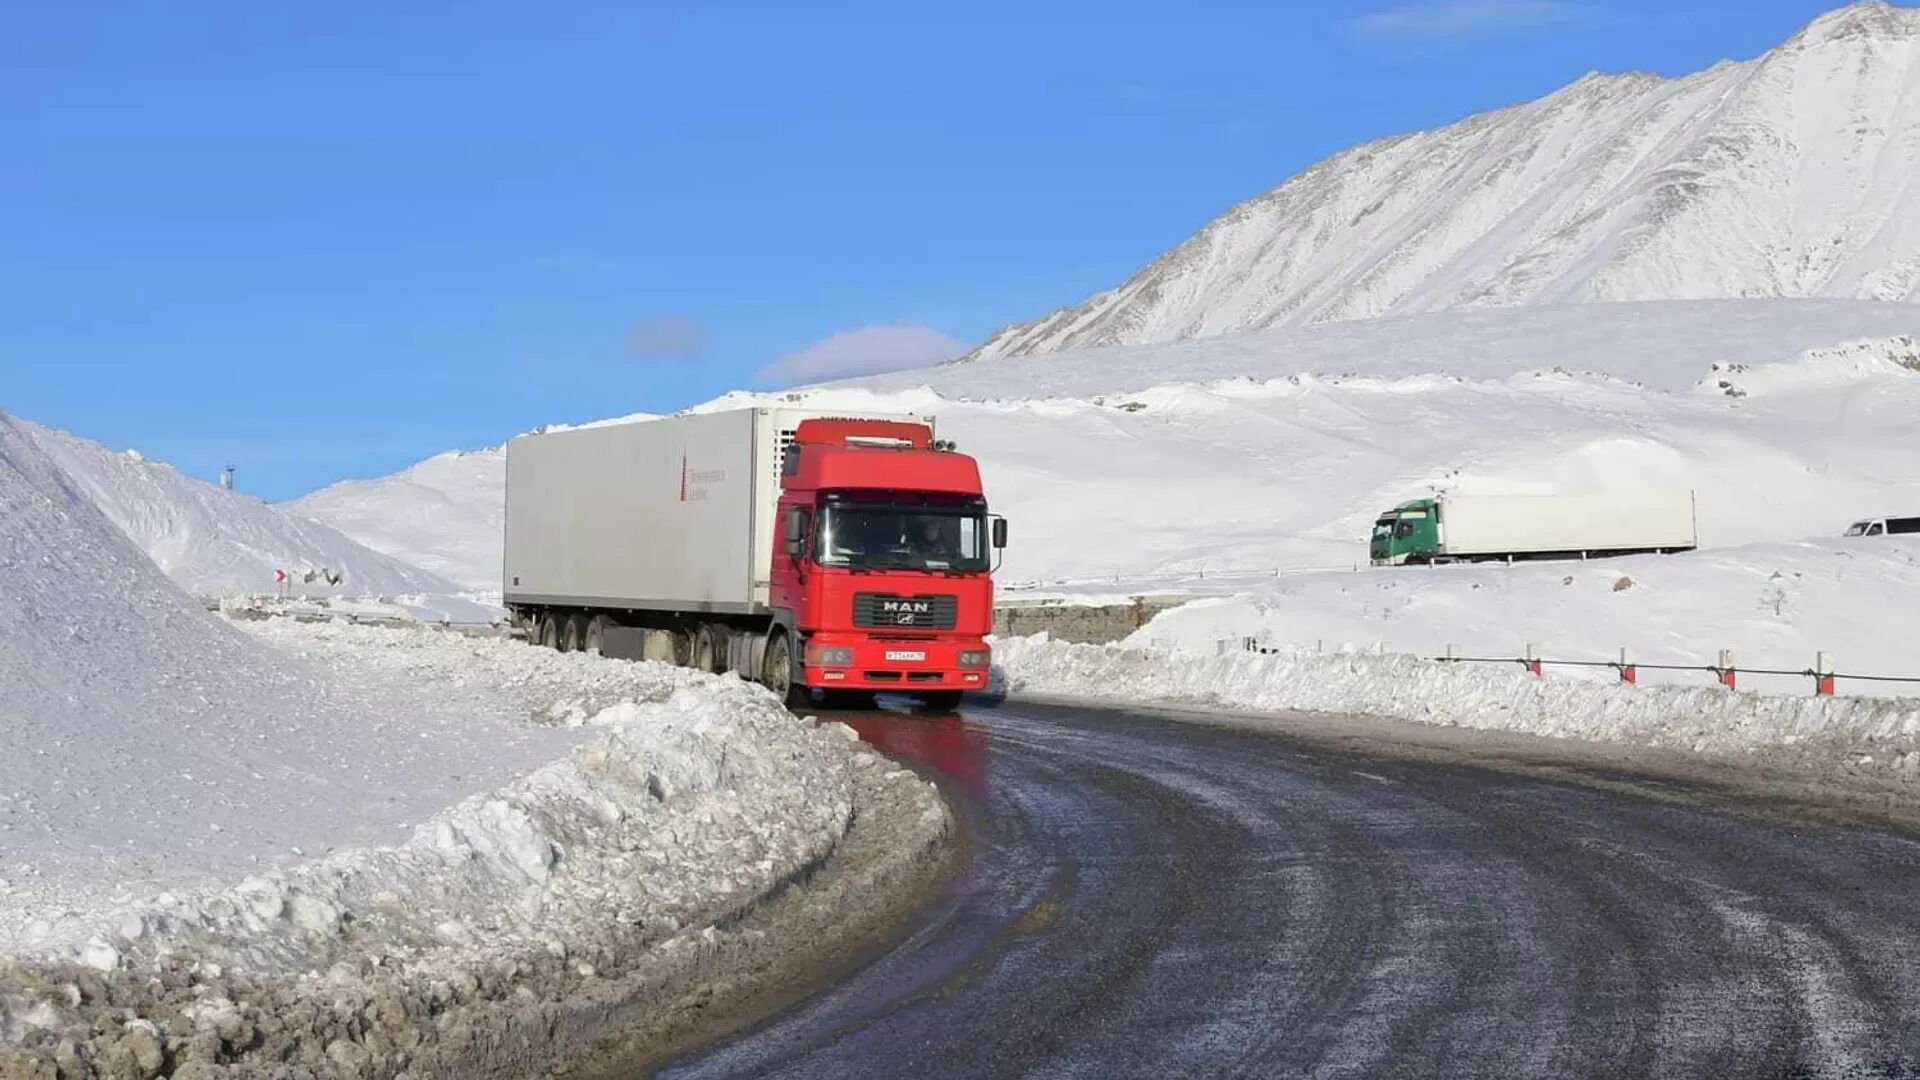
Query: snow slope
[[150, 746], [1785, 176], [444, 514], [212, 540], [1667, 345]]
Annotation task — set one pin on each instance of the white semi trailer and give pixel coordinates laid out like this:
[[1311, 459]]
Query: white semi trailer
[[809, 551], [1459, 528]]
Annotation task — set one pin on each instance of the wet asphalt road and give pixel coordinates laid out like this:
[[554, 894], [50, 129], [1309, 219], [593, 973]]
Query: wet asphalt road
[[1155, 898]]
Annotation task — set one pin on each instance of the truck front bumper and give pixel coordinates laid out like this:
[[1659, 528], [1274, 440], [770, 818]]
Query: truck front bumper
[[905, 666]]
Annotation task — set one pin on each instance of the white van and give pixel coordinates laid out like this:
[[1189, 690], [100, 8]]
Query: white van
[[1884, 526]]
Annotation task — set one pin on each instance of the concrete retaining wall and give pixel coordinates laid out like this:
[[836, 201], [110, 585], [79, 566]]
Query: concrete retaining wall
[[1089, 624]]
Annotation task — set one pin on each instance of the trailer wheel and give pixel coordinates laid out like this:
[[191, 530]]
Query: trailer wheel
[[776, 673], [548, 631], [595, 640], [710, 649], [570, 634]]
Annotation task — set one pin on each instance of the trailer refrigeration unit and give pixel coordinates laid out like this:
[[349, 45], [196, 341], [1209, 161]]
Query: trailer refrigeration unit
[[806, 550], [1462, 528]]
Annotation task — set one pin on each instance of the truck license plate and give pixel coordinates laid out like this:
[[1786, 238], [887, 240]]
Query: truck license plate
[[905, 654]]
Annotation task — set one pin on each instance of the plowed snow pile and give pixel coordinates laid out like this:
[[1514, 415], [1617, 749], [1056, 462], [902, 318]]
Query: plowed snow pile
[[344, 846], [151, 746], [212, 540]]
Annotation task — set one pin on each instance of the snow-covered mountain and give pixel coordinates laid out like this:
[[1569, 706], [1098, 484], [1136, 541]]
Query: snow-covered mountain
[[1791, 175], [209, 539]]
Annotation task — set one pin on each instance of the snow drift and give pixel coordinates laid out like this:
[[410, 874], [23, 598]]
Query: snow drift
[[1785, 176], [444, 514], [211, 540]]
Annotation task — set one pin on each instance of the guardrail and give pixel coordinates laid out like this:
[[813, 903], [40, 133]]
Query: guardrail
[[1726, 670]]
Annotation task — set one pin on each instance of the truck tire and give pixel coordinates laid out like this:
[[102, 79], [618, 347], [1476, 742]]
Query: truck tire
[[939, 700], [776, 673], [570, 634], [710, 649], [595, 640], [548, 631], [702, 658]]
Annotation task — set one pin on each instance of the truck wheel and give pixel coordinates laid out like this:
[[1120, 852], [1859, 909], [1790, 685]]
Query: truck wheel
[[570, 634], [549, 632], [939, 700], [595, 640], [710, 649], [776, 673]]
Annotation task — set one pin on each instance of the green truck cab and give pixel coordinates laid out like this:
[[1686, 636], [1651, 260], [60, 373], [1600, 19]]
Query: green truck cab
[[1409, 532]]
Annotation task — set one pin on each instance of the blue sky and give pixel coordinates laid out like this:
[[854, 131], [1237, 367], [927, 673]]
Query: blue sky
[[326, 240]]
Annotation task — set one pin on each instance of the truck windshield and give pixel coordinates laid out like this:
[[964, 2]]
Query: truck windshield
[[1383, 528], [1858, 528], [902, 538]]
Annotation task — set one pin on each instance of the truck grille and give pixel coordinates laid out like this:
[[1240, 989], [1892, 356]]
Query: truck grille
[[892, 609]]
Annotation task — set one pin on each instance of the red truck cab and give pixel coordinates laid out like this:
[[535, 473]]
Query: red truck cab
[[882, 566]]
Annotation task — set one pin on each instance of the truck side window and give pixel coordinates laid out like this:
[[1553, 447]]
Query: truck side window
[[1875, 529], [1403, 530]]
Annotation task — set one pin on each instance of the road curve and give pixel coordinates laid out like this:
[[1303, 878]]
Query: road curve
[[1149, 897]]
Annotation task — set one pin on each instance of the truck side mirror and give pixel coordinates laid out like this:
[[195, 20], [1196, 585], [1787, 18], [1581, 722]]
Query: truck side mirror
[[794, 539], [999, 532]]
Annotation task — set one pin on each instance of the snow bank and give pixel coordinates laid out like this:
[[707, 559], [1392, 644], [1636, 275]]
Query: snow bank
[[502, 929], [1774, 605], [1405, 688], [209, 539]]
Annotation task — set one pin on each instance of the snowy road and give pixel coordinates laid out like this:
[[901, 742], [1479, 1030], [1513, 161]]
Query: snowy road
[[1161, 898]]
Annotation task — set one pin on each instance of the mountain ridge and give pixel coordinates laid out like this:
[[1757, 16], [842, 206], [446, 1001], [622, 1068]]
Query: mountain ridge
[[1782, 176]]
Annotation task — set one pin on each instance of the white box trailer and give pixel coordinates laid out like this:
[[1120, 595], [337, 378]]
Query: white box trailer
[[674, 514], [1592, 522]]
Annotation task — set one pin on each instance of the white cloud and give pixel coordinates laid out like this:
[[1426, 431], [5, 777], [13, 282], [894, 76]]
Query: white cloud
[[869, 350], [672, 337], [1454, 19]]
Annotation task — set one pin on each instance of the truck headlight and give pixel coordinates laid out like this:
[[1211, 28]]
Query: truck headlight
[[975, 657], [829, 656]]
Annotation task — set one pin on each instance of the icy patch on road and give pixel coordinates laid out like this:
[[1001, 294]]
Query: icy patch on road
[[1884, 732]]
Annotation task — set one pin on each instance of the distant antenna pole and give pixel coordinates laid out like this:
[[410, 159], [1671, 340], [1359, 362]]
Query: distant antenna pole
[[226, 478]]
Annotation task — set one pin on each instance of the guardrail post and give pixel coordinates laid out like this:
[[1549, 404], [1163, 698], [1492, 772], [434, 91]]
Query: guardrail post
[[1628, 673], [1533, 659], [1729, 678], [1823, 674], [1450, 654]]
